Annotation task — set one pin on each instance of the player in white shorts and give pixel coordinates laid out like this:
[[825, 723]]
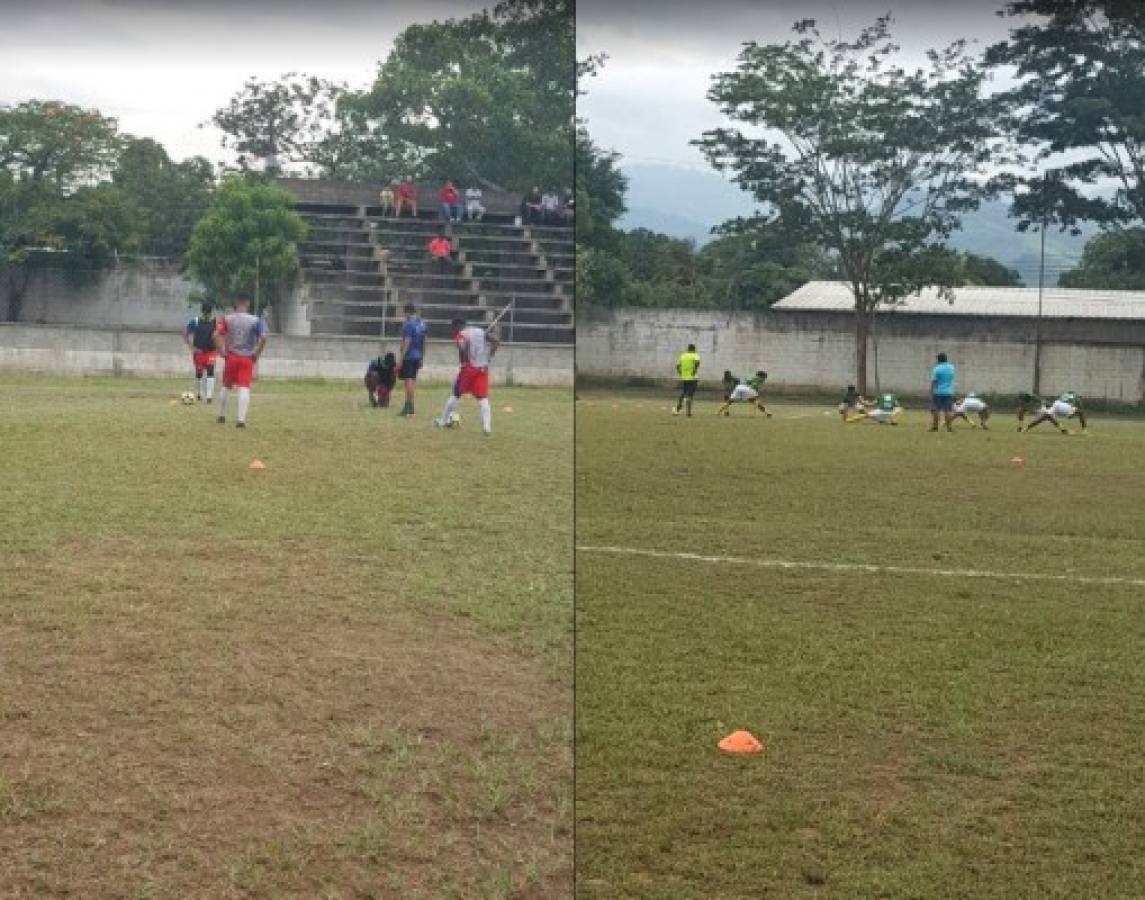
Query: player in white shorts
[[971, 405], [884, 411], [1067, 406]]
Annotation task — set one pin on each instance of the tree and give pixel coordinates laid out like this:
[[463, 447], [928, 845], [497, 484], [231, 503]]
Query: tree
[[246, 242], [489, 98], [985, 271], [1111, 261], [1082, 98], [281, 122], [48, 140], [600, 188], [858, 156], [170, 197]]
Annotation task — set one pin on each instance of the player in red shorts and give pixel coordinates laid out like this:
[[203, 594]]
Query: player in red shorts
[[199, 336], [475, 349], [241, 338]]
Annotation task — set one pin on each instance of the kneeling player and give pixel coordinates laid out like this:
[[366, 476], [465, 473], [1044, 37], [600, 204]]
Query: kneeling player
[[854, 405], [971, 405], [743, 390], [1067, 406], [475, 349], [381, 375], [200, 337]]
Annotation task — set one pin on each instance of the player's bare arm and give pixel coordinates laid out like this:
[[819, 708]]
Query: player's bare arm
[[258, 349]]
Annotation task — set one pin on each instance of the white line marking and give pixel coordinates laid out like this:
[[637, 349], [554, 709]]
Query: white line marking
[[865, 568]]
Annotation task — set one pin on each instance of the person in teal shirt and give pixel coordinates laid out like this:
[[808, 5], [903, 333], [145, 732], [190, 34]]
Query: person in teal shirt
[[941, 392]]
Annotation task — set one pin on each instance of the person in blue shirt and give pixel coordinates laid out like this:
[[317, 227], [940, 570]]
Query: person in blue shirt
[[411, 355], [941, 393]]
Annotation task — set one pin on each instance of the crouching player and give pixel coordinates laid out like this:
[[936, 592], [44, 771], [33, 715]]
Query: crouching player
[[241, 337], [381, 376], [199, 336], [475, 349], [1067, 406], [854, 405], [971, 405], [743, 390]]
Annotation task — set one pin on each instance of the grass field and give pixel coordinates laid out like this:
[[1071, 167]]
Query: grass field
[[347, 675], [927, 735]]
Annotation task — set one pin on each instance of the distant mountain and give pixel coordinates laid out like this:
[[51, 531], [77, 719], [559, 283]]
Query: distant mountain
[[686, 202]]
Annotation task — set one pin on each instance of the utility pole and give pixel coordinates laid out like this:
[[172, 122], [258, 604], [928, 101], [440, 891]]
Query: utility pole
[[1041, 286]]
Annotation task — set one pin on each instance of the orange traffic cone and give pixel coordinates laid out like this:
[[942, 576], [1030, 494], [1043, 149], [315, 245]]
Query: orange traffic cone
[[1017, 460], [258, 464], [508, 409], [741, 742]]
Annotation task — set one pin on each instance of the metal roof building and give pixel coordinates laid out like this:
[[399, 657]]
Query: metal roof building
[[1057, 303]]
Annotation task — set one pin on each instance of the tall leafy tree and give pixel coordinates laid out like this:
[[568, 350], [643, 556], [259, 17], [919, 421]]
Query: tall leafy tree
[[247, 242], [848, 151], [1111, 261], [600, 189], [57, 142], [170, 197], [1081, 65], [487, 99], [285, 123]]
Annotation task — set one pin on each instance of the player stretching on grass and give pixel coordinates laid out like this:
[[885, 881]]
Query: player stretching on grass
[[854, 405], [743, 390], [884, 411], [475, 349], [1067, 406], [688, 368], [200, 337], [241, 338], [970, 405]]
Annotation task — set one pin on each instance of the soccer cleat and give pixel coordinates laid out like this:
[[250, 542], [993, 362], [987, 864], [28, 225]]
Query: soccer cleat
[[222, 420], [675, 412], [240, 424], [437, 423]]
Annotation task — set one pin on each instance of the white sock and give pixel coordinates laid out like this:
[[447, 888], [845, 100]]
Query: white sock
[[198, 387], [450, 406], [210, 386], [223, 395], [244, 403], [486, 416]]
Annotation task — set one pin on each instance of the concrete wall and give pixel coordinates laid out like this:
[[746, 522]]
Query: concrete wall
[[77, 350], [805, 352]]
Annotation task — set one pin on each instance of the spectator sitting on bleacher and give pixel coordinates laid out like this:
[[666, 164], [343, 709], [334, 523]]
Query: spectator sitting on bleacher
[[474, 208], [440, 249], [450, 202], [406, 195], [386, 201], [551, 208], [531, 207]]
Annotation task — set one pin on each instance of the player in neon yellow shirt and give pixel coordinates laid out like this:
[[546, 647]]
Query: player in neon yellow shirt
[[688, 368]]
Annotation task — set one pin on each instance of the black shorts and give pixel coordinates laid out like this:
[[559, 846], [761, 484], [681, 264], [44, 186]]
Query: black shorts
[[688, 388], [409, 368]]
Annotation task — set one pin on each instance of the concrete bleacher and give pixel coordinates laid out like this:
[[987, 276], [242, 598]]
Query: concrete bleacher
[[359, 267]]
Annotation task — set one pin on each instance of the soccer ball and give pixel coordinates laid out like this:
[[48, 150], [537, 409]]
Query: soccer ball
[[188, 398], [453, 421]]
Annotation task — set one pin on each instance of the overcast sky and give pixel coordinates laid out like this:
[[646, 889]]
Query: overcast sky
[[163, 67], [649, 100]]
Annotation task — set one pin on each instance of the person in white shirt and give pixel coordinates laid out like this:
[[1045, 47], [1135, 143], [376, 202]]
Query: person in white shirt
[[474, 208], [971, 405], [475, 349]]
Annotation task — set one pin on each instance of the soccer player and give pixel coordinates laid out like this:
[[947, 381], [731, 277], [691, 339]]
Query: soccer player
[[475, 349], [199, 336], [688, 368], [970, 405], [381, 376], [854, 405], [241, 338], [1067, 406], [743, 390], [411, 355], [941, 392], [884, 411]]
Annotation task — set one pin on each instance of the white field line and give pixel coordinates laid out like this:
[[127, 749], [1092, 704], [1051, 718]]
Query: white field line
[[865, 568]]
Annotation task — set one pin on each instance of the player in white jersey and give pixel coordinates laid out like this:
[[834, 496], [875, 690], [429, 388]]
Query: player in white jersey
[[241, 338], [1067, 406], [971, 405], [475, 349]]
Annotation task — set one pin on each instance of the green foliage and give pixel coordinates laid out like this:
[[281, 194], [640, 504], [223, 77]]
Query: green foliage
[[1082, 70], [48, 140], [284, 121], [96, 224], [986, 272], [169, 197], [489, 98], [1111, 261], [247, 241], [876, 164], [600, 187]]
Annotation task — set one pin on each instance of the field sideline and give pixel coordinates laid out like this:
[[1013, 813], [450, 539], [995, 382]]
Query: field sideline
[[347, 675], [940, 649]]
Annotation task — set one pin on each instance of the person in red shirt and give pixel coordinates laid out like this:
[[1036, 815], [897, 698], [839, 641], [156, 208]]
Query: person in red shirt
[[440, 249], [406, 195], [450, 202]]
